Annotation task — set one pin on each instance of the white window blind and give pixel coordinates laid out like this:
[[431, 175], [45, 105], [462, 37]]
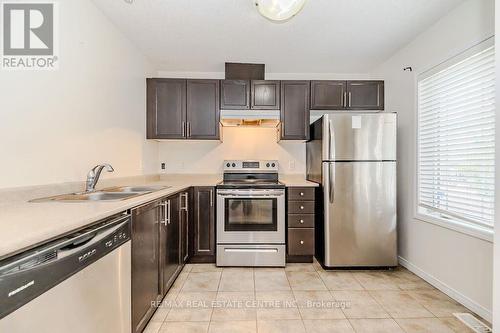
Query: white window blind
[[456, 138]]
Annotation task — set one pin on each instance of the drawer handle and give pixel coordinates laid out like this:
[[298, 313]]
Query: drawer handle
[[301, 194], [302, 242], [302, 207], [302, 221]]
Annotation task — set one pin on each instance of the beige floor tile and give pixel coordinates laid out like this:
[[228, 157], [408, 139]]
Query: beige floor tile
[[237, 280], [160, 314], [152, 327], [314, 304], [359, 304], [299, 267], [276, 305], [225, 314], [275, 295], [375, 326], [179, 282], [375, 280], [233, 327], [192, 306], [424, 325], [278, 313], [235, 295], [208, 281], [184, 327], [328, 326], [399, 304], [305, 281], [189, 314], [406, 280], [235, 305], [456, 325], [187, 268], [437, 302], [201, 268], [274, 280], [195, 296], [280, 326], [340, 281]]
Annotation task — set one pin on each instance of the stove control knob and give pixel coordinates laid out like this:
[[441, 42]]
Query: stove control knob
[[268, 165], [273, 165], [234, 165], [228, 165]]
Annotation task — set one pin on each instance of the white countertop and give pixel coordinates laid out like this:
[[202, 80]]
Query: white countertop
[[24, 224]]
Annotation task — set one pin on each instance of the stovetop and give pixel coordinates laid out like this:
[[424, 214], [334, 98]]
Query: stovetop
[[251, 183], [261, 174]]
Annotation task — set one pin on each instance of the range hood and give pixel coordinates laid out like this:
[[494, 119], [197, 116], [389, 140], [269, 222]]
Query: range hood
[[250, 118]]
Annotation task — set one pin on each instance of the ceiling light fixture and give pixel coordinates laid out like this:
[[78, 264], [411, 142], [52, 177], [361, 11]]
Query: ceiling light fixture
[[279, 10]]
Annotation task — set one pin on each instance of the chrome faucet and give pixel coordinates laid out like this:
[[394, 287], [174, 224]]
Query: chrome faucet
[[94, 174]]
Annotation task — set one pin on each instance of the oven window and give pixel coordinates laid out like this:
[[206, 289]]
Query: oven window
[[250, 214]]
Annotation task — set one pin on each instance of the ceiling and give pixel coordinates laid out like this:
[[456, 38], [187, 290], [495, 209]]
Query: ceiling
[[328, 36]]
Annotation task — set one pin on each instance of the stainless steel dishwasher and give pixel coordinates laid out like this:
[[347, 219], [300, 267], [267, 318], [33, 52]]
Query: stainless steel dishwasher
[[80, 283]]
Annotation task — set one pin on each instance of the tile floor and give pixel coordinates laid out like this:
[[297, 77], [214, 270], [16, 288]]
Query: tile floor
[[303, 298]]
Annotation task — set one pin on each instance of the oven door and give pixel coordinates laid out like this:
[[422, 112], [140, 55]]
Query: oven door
[[250, 216]]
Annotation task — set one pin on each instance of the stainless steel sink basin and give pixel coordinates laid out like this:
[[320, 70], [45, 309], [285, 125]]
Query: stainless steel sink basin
[[142, 189], [92, 196]]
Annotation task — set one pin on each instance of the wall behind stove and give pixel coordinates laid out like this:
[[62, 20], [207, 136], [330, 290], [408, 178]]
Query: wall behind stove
[[238, 143]]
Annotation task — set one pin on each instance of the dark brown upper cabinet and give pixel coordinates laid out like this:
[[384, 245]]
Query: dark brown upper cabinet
[[265, 95], [235, 94], [328, 95], [295, 110], [202, 111], [166, 108], [182, 109], [365, 95]]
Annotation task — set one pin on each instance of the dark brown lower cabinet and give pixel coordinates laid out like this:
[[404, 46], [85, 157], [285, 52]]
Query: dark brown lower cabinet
[[301, 223], [145, 256], [203, 225], [170, 242]]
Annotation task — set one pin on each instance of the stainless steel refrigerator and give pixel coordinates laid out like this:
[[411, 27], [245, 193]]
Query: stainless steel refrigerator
[[353, 157]]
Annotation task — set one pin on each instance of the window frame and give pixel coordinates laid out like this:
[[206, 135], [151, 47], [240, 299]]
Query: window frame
[[452, 222]]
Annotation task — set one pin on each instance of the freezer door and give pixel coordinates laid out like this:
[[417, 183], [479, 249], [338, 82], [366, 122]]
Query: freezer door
[[359, 137], [359, 214]]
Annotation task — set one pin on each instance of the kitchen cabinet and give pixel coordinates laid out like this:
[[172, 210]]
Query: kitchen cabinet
[[170, 242], [182, 109], [347, 95], [145, 256], [265, 95], [166, 108], [235, 94], [365, 95], [203, 225], [328, 95], [295, 110], [301, 209], [202, 110]]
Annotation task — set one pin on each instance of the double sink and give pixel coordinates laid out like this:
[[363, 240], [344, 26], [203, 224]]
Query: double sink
[[108, 194]]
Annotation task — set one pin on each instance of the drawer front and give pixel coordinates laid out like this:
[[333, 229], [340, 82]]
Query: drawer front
[[301, 220], [300, 242], [301, 193], [301, 207]]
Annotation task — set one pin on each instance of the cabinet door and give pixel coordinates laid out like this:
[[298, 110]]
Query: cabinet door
[[202, 111], [365, 95], [328, 95], [184, 224], [235, 94], [204, 225], [145, 258], [170, 242], [166, 108], [265, 95], [295, 110]]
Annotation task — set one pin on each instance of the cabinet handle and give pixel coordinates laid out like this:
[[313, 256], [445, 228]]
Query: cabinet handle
[[188, 129], [301, 194], [302, 207], [301, 221], [211, 198], [301, 242], [169, 212], [183, 129], [350, 99], [166, 213], [185, 196], [344, 102]]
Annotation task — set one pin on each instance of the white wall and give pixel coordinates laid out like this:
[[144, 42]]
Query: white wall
[[238, 143], [55, 125], [459, 264], [496, 281]]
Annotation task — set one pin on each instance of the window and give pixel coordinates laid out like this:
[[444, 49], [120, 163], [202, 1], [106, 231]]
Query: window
[[456, 139]]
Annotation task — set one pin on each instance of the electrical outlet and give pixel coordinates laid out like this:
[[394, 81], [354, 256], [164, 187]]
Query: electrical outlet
[[291, 165], [163, 167]]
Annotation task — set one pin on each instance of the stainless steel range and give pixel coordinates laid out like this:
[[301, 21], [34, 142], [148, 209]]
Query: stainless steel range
[[250, 215]]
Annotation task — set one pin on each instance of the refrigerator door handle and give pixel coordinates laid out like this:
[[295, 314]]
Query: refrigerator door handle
[[331, 182], [331, 135]]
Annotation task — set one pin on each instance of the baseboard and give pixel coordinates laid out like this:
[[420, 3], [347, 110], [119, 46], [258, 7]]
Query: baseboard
[[456, 295]]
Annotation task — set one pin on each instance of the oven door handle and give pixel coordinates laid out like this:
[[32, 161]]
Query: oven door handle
[[250, 194]]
